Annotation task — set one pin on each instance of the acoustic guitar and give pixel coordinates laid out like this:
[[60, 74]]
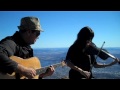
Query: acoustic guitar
[[32, 62]]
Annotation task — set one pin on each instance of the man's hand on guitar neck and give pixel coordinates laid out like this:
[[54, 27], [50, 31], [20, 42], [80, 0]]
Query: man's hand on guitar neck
[[48, 72], [25, 71]]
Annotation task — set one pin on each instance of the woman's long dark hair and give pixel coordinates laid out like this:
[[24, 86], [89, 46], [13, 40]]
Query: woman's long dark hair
[[85, 34]]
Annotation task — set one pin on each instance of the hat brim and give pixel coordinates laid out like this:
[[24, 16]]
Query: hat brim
[[41, 30], [19, 27]]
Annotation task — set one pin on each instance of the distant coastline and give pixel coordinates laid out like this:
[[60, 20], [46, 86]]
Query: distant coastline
[[53, 48], [68, 47]]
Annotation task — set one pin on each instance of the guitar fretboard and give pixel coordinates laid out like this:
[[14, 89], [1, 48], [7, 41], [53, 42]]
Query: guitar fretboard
[[43, 69]]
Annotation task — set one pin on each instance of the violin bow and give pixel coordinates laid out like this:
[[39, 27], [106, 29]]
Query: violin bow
[[100, 50], [98, 53]]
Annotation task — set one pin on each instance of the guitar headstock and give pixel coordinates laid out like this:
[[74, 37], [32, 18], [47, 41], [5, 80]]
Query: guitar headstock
[[63, 63]]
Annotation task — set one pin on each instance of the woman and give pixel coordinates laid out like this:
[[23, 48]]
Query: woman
[[81, 55]]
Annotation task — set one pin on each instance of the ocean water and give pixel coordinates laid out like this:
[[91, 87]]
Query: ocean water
[[53, 56]]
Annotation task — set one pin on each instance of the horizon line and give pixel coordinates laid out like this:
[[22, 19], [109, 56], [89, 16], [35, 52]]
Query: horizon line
[[64, 47]]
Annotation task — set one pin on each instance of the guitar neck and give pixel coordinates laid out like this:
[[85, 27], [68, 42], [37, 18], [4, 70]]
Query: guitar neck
[[43, 69]]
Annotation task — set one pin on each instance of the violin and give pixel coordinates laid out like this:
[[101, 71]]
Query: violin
[[92, 49]]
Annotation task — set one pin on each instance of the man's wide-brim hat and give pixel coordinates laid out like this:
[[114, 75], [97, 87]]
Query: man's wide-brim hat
[[30, 23]]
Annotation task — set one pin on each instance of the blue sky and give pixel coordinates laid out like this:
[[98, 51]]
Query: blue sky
[[61, 27]]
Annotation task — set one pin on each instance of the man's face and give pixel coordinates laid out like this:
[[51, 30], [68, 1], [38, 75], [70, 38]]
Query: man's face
[[34, 34]]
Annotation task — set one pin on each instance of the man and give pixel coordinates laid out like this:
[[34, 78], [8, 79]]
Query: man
[[19, 45]]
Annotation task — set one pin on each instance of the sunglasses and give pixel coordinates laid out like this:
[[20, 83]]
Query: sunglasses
[[36, 32]]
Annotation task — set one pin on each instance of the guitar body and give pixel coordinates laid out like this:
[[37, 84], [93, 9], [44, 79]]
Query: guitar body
[[32, 62]]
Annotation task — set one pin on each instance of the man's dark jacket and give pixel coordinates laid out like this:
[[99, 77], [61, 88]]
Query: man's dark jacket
[[13, 46]]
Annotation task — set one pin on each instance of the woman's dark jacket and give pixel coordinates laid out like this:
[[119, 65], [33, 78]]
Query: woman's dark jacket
[[79, 58]]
